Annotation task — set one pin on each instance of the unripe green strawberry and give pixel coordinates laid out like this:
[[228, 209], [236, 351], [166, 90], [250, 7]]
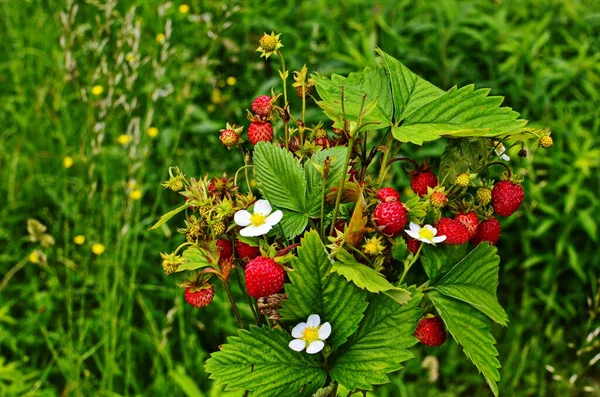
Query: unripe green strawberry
[[463, 180], [546, 142], [484, 195], [264, 277], [268, 43], [229, 138]]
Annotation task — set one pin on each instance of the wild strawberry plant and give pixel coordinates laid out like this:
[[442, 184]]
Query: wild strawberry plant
[[322, 245]]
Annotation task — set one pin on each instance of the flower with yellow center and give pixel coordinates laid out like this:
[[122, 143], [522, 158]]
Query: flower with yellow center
[[426, 234], [124, 139], [373, 246], [310, 335], [68, 162], [160, 38], [135, 194], [79, 239], [97, 90], [33, 257], [269, 44], [184, 8], [152, 132], [260, 222], [231, 80], [98, 249]]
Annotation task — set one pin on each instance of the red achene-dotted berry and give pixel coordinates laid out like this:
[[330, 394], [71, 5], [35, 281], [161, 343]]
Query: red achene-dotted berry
[[388, 194], [264, 277], [431, 331], [245, 251], [421, 181], [488, 230], [391, 217], [259, 131], [261, 106], [456, 233], [224, 248], [507, 197], [200, 297], [470, 221]]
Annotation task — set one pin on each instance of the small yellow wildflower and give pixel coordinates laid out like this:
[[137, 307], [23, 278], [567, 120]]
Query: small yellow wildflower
[[97, 90], [33, 257], [160, 38], [79, 239], [373, 246], [152, 132], [68, 162], [124, 139], [135, 194], [130, 57], [211, 108], [98, 249], [231, 80], [184, 8]]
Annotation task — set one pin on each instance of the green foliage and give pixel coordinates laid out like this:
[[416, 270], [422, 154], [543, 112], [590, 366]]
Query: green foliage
[[260, 360], [435, 259], [194, 258], [313, 290], [314, 176], [462, 155], [379, 345]]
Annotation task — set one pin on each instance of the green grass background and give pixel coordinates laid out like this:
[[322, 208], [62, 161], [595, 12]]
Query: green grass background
[[114, 325]]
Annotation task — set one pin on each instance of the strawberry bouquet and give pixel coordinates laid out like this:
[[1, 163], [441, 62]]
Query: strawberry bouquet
[[342, 273]]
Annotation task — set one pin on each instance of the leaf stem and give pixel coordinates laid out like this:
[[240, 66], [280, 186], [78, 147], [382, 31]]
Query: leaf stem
[[412, 262], [234, 307]]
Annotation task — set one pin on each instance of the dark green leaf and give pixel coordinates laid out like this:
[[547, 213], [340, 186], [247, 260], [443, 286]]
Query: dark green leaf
[[314, 177], [435, 259], [461, 155]]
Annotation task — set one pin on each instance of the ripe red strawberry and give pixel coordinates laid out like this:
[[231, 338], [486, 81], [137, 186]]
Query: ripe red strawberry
[[245, 251], [470, 220], [200, 298], [420, 181], [262, 106], [391, 217], [413, 245], [224, 248], [388, 194], [264, 277], [456, 233], [488, 230], [229, 138], [507, 197], [431, 331], [260, 132]]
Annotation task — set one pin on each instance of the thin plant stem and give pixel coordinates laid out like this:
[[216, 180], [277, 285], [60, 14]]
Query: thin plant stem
[[412, 262], [234, 307]]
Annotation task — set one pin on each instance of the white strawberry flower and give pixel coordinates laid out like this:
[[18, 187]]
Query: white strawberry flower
[[310, 335], [500, 152], [260, 222], [426, 234]]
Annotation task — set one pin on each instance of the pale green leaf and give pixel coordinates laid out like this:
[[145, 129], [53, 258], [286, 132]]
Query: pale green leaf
[[313, 290], [260, 360], [380, 344], [471, 329], [314, 178], [478, 298], [280, 176], [165, 218], [293, 223], [194, 258]]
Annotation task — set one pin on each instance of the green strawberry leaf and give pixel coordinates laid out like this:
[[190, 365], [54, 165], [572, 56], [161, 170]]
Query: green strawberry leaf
[[314, 176], [463, 112], [165, 218], [373, 83], [434, 259], [367, 278], [293, 223], [260, 360], [461, 155], [471, 329], [380, 344], [313, 290], [280, 177], [194, 258]]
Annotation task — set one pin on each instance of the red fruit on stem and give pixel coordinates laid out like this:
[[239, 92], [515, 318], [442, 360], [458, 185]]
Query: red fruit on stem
[[391, 216], [488, 230], [456, 233], [470, 220], [413, 245], [261, 106], [229, 138], [245, 251], [507, 197], [200, 298], [388, 194], [264, 277], [324, 142], [431, 331], [224, 248], [421, 181], [259, 131]]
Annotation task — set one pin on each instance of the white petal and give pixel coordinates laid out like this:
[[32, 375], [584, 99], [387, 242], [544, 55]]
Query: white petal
[[426, 241], [274, 218], [439, 239], [242, 218], [298, 330], [313, 320], [413, 234], [414, 227], [254, 231], [505, 157], [263, 207], [324, 331], [297, 345], [315, 347]]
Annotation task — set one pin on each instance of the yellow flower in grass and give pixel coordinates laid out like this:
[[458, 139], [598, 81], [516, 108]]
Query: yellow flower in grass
[[68, 162], [97, 90], [79, 239], [124, 139], [160, 38], [33, 257], [135, 194], [184, 8], [152, 132], [98, 249], [231, 80]]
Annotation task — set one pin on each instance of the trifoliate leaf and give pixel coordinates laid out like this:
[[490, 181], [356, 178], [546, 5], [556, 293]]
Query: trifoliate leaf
[[380, 344], [314, 178], [373, 83], [260, 360], [367, 278], [313, 290], [471, 329], [280, 177]]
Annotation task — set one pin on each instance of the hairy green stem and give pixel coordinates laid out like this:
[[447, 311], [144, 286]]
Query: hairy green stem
[[234, 307]]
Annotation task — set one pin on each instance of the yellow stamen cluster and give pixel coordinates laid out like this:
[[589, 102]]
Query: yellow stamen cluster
[[484, 195], [426, 234], [373, 246], [463, 180], [546, 141], [257, 219], [269, 44], [310, 334]]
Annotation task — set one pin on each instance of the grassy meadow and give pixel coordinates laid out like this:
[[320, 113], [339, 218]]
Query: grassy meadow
[[98, 98]]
